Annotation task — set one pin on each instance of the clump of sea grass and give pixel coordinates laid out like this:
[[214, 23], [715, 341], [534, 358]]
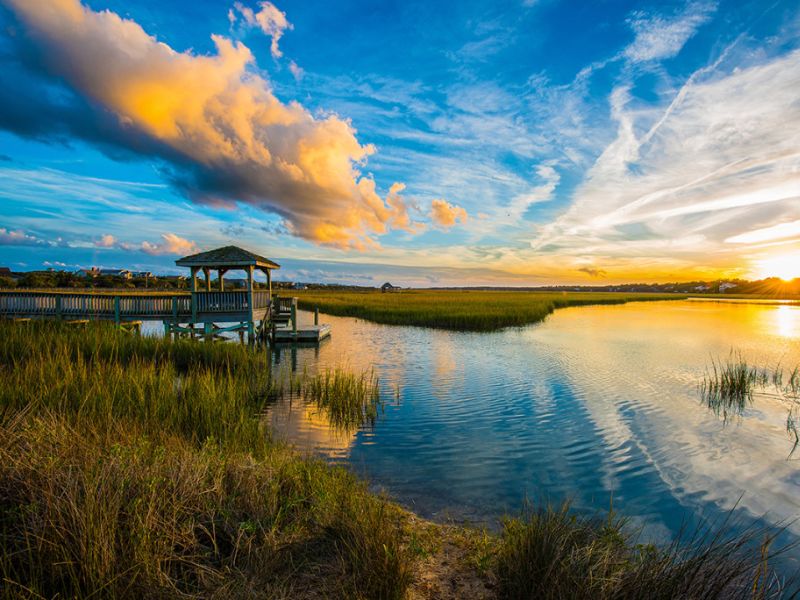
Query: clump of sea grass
[[729, 386], [348, 400], [551, 553]]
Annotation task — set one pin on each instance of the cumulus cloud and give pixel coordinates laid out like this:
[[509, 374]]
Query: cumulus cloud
[[446, 215], [106, 241], [18, 237], [213, 119], [170, 244], [659, 37], [269, 19]]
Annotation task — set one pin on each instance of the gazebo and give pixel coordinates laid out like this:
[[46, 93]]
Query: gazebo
[[244, 308], [227, 258]]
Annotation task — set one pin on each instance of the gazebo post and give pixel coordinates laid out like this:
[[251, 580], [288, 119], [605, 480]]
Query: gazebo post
[[207, 273], [251, 332], [221, 274]]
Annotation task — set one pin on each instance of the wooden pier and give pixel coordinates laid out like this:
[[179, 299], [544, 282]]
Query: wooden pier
[[200, 312]]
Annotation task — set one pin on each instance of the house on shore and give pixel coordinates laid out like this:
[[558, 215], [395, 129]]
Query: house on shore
[[388, 287]]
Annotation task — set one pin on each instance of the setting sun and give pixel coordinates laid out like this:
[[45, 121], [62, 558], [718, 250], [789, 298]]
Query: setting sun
[[785, 266]]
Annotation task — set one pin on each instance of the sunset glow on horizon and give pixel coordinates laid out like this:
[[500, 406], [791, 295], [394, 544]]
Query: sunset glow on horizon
[[520, 143]]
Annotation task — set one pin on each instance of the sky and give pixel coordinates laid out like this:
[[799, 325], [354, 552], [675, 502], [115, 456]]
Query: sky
[[518, 143]]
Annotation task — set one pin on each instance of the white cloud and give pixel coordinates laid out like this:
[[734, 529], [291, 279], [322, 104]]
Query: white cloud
[[659, 37], [17, 237], [269, 19], [720, 164]]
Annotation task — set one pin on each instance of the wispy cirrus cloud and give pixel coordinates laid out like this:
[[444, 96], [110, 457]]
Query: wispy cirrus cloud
[[717, 164], [214, 122], [659, 37]]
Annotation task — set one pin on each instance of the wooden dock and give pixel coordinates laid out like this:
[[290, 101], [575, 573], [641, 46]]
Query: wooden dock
[[309, 333], [196, 314]]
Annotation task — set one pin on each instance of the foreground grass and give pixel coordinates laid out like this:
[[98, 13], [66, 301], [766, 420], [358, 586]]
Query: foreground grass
[[137, 468], [459, 310], [140, 468]]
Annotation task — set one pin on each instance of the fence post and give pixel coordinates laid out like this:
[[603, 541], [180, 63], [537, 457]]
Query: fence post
[[116, 310], [316, 316], [294, 319]]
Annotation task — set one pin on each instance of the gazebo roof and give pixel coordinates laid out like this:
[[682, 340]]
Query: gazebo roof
[[227, 256]]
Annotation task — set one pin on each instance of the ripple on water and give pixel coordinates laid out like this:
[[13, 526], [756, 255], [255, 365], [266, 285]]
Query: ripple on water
[[596, 403]]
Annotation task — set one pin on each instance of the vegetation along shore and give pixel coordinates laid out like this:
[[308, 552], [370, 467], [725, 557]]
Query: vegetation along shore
[[460, 310], [136, 467]]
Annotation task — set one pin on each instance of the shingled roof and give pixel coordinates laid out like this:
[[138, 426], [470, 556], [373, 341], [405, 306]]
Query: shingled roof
[[228, 256]]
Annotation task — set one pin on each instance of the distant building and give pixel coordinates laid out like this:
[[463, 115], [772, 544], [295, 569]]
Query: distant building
[[124, 273], [5, 272], [701, 288], [724, 287], [388, 287], [144, 274], [93, 272]]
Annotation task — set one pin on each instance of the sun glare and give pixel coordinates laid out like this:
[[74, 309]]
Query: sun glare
[[786, 267]]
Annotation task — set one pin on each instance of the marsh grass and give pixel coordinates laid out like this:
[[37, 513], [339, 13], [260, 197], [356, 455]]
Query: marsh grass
[[459, 310], [348, 400], [553, 554], [133, 467], [729, 387]]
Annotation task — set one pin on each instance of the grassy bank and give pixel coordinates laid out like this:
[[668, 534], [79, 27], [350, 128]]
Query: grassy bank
[[138, 468], [459, 310]]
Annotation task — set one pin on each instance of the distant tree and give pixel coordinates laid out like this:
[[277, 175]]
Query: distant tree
[[7, 282], [36, 280]]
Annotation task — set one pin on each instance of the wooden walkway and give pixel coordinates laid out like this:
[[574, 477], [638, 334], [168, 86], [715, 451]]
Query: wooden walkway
[[208, 306], [180, 313]]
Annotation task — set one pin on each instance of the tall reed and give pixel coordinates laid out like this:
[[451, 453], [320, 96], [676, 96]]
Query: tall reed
[[348, 400], [132, 467]]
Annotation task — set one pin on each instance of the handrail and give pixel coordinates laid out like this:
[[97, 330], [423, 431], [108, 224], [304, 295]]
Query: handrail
[[128, 306]]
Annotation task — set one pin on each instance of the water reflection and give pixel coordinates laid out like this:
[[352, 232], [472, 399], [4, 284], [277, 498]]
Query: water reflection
[[595, 402]]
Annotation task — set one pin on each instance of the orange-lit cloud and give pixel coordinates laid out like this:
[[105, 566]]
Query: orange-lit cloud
[[224, 135], [445, 214], [169, 244], [106, 241]]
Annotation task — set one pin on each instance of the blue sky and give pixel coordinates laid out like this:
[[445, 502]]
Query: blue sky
[[430, 143]]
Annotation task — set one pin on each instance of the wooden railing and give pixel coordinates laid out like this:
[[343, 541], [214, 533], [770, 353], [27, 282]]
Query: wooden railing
[[222, 302], [94, 306], [284, 305], [122, 307]]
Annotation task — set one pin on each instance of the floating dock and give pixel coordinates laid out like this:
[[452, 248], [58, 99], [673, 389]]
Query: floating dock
[[310, 333]]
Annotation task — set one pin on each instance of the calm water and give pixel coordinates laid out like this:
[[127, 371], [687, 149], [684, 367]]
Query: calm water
[[594, 403]]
